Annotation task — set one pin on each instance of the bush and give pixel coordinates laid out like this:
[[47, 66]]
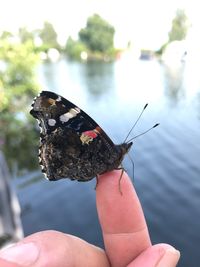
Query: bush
[[18, 86]]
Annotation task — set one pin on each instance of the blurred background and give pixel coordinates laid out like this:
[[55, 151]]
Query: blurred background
[[110, 58]]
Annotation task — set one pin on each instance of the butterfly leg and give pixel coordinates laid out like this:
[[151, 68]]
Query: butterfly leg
[[120, 178], [97, 181]]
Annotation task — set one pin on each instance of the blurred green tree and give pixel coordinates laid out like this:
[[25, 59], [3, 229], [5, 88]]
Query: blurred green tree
[[18, 86], [5, 35], [98, 34], [48, 35], [74, 48], [25, 35], [180, 26]]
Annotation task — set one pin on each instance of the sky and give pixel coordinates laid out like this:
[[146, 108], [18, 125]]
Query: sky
[[145, 23]]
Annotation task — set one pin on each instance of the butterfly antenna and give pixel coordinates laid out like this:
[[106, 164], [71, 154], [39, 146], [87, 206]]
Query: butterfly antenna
[[143, 132], [135, 123]]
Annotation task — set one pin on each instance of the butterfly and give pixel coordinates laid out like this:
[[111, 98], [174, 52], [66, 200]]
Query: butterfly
[[72, 144]]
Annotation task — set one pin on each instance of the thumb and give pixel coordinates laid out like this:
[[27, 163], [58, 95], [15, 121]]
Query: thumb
[[160, 255], [53, 249]]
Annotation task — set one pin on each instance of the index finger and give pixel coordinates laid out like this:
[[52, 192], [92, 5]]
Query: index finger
[[122, 220]]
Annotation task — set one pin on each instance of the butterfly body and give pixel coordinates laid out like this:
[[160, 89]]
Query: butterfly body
[[72, 144]]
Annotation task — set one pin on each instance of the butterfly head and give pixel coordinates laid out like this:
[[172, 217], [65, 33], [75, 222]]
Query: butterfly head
[[124, 147]]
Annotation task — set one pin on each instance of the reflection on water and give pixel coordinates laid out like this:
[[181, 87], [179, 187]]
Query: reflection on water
[[174, 82], [166, 160], [96, 76]]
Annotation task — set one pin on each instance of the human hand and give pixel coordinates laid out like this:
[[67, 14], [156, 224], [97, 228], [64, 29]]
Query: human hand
[[125, 233]]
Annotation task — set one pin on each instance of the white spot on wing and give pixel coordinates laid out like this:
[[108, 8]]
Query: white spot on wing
[[74, 111], [77, 109], [51, 122], [70, 114], [64, 118], [59, 99]]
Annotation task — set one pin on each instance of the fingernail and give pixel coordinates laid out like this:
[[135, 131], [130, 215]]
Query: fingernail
[[170, 258], [25, 254]]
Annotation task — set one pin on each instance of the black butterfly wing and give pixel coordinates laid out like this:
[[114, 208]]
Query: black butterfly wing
[[72, 144], [54, 111]]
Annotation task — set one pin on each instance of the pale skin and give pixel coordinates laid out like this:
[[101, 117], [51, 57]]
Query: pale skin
[[125, 234]]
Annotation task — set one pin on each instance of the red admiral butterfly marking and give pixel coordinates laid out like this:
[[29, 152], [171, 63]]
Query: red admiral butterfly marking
[[72, 144]]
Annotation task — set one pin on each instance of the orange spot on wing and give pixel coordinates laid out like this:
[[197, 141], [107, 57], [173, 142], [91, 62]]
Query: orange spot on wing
[[51, 101], [98, 130]]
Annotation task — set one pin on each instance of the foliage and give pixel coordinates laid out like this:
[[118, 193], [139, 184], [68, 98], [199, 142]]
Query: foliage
[[98, 34], [6, 35], [160, 51], [18, 86], [95, 41], [48, 35], [25, 35], [74, 48], [43, 39], [178, 32], [179, 27]]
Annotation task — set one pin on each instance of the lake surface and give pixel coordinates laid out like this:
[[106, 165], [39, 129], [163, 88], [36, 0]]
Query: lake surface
[[167, 159]]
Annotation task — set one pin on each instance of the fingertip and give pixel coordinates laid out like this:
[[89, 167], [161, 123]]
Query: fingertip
[[170, 258], [156, 256]]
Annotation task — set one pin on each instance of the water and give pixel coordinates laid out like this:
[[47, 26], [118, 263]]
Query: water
[[167, 160]]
